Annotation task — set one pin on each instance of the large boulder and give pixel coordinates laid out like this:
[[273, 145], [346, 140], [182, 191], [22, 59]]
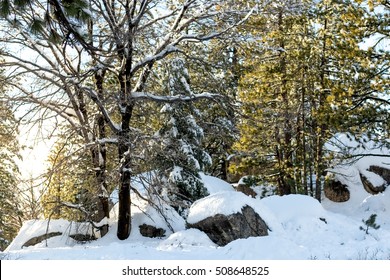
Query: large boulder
[[369, 186], [336, 191], [222, 229], [38, 239], [151, 231], [375, 179], [246, 190], [381, 171]]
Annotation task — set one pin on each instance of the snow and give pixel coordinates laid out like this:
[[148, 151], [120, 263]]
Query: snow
[[186, 239], [300, 227], [214, 185], [174, 98], [348, 173], [228, 203]]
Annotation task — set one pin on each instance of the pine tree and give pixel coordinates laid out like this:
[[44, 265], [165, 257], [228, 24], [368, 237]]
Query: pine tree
[[311, 79], [273, 97], [220, 75], [181, 156], [370, 223], [69, 180], [70, 186], [10, 210]]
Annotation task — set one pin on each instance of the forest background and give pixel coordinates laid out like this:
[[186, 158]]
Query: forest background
[[174, 88]]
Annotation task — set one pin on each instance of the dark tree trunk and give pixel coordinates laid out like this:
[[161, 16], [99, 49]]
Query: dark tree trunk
[[124, 147], [99, 157], [284, 135], [321, 125], [124, 213]]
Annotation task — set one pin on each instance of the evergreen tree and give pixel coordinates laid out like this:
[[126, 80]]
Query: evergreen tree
[[69, 183], [219, 75], [70, 186], [181, 156], [10, 211], [273, 93], [311, 80]]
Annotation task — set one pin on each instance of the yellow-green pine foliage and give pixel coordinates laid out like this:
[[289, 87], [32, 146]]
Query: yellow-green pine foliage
[[69, 182], [270, 92], [306, 78]]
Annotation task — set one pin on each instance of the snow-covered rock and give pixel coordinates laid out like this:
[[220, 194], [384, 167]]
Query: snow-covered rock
[[336, 191], [225, 203], [42, 233], [224, 229], [227, 216]]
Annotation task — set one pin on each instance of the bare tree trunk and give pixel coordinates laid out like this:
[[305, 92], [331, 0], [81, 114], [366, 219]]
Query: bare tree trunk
[[321, 126], [99, 158], [124, 141], [124, 213], [286, 157]]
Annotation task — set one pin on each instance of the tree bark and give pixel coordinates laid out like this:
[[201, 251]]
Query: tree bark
[[321, 126], [124, 213], [99, 156]]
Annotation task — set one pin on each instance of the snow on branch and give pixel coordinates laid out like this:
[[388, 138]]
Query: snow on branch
[[87, 214], [174, 98], [167, 50], [95, 98]]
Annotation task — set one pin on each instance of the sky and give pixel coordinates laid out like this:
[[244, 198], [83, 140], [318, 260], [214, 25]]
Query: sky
[[37, 145]]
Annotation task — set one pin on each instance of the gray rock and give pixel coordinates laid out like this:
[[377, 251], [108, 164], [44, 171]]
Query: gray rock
[[381, 171], [369, 187], [151, 231], [336, 191], [223, 229], [38, 239], [246, 190], [82, 238]]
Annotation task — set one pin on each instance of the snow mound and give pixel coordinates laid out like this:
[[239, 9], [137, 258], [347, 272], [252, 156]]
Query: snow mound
[[377, 204], [290, 207], [143, 213], [186, 239], [35, 228], [214, 185], [266, 247], [300, 228], [227, 203], [361, 203]]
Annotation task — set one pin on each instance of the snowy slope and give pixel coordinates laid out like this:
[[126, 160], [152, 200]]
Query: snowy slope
[[361, 203], [300, 228]]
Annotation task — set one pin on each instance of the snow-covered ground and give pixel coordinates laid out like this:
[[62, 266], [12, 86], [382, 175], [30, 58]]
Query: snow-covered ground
[[300, 228]]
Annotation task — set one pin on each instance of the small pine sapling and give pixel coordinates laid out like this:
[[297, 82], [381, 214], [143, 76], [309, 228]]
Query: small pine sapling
[[370, 223]]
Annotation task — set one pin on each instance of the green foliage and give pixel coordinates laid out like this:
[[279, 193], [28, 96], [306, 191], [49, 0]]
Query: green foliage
[[179, 155], [37, 26], [10, 211], [70, 190], [5, 8], [370, 223], [274, 92], [307, 78], [60, 22]]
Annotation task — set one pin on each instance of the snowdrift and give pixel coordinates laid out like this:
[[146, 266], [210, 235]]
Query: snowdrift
[[300, 227]]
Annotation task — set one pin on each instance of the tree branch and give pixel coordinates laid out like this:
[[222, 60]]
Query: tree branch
[[175, 98]]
